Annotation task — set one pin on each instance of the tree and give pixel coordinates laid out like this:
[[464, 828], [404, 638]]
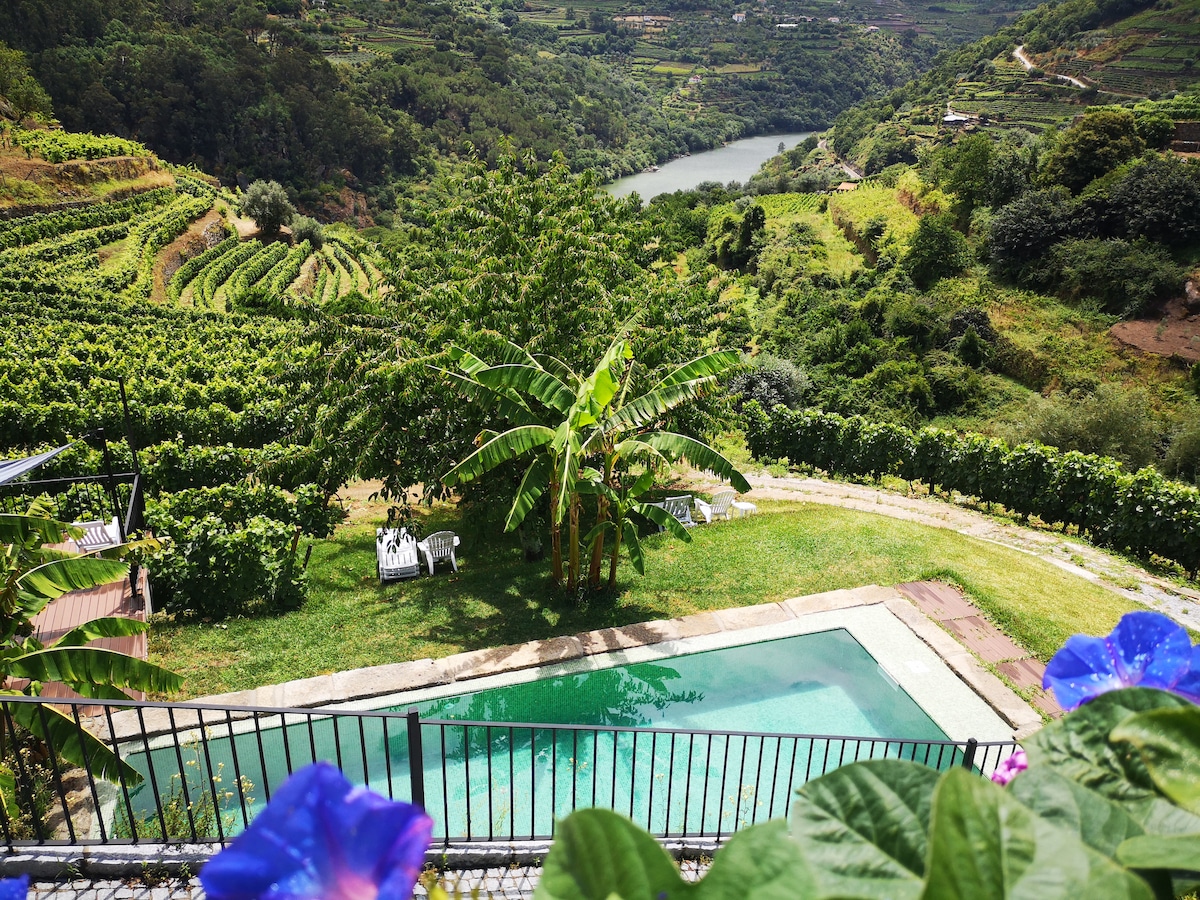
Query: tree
[[970, 176], [306, 228], [935, 251], [266, 202], [1092, 147], [587, 420], [19, 87], [34, 574]]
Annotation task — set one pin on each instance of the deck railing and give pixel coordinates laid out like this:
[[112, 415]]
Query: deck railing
[[205, 771]]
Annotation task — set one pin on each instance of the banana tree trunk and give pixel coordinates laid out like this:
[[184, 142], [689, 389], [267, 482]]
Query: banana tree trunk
[[612, 560], [573, 537], [555, 535], [597, 545]]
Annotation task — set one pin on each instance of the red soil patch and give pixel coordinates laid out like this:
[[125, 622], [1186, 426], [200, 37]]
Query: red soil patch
[[1175, 332]]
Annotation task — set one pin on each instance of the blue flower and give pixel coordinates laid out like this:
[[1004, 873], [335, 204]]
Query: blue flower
[[14, 888], [320, 838], [1146, 649]]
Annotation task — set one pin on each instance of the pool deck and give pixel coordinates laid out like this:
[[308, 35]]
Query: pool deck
[[944, 676]]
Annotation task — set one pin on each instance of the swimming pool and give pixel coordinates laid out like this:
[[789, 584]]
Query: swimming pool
[[718, 753]]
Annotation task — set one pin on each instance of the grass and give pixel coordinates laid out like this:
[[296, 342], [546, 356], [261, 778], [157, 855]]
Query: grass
[[788, 550]]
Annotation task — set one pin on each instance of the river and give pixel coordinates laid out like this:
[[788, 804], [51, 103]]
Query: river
[[736, 161]]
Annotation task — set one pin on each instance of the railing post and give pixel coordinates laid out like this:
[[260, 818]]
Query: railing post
[[416, 757], [968, 762]]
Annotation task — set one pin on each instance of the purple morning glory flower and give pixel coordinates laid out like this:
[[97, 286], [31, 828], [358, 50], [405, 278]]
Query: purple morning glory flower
[[14, 888], [1007, 770], [321, 838], [1146, 649]]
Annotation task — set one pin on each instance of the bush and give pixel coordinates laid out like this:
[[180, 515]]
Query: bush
[[1139, 512], [1126, 278], [772, 381], [306, 228], [237, 503], [210, 569], [936, 251], [1112, 422], [1022, 232], [1183, 456]]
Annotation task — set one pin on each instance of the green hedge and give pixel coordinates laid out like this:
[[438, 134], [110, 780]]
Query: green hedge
[[1139, 512]]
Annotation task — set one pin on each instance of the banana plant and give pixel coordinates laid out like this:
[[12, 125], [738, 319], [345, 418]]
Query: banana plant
[[562, 420], [33, 574]]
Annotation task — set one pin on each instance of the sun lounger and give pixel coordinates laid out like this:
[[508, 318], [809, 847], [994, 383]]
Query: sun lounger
[[395, 554]]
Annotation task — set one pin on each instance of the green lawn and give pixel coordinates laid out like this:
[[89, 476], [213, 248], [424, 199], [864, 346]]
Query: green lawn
[[789, 549]]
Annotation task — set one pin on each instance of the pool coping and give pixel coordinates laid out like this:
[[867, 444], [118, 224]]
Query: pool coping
[[398, 679]]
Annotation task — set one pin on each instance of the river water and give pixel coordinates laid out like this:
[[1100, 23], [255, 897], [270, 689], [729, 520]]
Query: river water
[[733, 162]]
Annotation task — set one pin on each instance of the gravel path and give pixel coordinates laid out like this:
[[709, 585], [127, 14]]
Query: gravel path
[[1077, 557]]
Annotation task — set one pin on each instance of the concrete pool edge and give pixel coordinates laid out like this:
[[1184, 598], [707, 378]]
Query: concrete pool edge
[[646, 640]]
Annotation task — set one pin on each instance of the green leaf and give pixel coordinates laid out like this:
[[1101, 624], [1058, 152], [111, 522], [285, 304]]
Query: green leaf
[[862, 828], [653, 405], [8, 792], [1177, 852], [106, 627], [1168, 742], [51, 580], [1078, 748], [1099, 822], [709, 366], [662, 518], [532, 380], [700, 455], [533, 485], [500, 449], [27, 531], [93, 672], [762, 862], [985, 843], [598, 854], [73, 743], [634, 547]]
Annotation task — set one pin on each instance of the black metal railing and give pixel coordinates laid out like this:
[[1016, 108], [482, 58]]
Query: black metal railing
[[203, 772]]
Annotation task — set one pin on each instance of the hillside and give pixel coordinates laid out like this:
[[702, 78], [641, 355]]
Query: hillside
[[1037, 73], [373, 98]]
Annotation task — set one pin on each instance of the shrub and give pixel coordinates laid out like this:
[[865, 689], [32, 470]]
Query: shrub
[[306, 228], [1139, 512], [1183, 456], [210, 569], [936, 251], [772, 381], [1112, 422], [1124, 277]]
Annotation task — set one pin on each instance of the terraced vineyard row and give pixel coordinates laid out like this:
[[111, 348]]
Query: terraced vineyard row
[[219, 277]]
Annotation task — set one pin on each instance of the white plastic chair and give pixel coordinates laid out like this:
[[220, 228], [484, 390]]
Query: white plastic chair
[[719, 507], [439, 546], [98, 535], [395, 554], [681, 508]]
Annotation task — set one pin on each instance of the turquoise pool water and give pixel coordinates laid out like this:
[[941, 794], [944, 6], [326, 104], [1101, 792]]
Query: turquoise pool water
[[495, 781]]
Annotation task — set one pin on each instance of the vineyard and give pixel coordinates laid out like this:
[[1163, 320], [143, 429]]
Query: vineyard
[[150, 289], [63, 146]]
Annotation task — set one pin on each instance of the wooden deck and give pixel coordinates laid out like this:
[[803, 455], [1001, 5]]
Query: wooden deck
[[73, 609]]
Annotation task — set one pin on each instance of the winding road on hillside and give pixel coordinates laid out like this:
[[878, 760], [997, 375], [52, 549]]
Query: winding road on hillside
[[1024, 60], [1108, 570]]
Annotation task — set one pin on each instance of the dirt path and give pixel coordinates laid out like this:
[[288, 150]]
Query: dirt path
[[1024, 60], [1076, 557]]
